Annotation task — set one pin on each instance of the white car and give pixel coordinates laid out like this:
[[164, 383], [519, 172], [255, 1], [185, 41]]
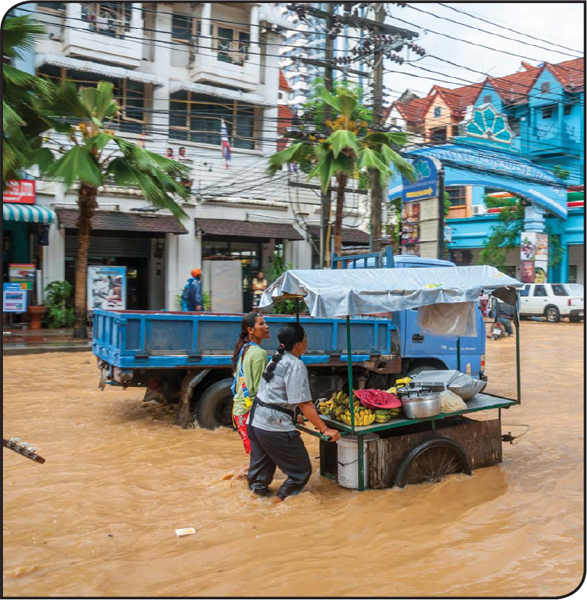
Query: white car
[[553, 301]]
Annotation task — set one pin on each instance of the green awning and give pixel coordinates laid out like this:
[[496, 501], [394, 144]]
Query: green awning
[[27, 214]]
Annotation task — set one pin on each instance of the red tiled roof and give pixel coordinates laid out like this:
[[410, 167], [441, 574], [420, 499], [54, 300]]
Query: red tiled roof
[[570, 73], [254, 229], [514, 88], [120, 221], [415, 110], [283, 83], [284, 120], [459, 98]]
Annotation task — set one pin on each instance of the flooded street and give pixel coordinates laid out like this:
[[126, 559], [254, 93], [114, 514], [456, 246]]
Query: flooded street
[[98, 518]]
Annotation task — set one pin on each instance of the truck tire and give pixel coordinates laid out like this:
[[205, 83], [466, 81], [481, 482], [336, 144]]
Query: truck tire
[[214, 408], [552, 314]]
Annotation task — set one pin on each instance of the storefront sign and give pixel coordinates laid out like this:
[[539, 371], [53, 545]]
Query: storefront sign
[[20, 191], [534, 257], [23, 274], [426, 184], [106, 288], [14, 299]]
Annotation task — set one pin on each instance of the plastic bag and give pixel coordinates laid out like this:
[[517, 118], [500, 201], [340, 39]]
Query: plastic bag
[[450, 402], [449, 319]]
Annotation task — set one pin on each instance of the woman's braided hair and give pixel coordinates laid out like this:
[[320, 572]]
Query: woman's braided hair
[[289, 335], [248, 321]]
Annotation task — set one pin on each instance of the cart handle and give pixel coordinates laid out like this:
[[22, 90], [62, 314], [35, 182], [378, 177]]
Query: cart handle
[[318, 434]]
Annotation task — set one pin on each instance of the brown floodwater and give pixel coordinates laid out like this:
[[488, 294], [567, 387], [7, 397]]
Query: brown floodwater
[[99, 517]]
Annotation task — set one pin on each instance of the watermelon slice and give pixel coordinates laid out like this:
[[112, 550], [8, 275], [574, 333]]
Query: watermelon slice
[[377, 399]]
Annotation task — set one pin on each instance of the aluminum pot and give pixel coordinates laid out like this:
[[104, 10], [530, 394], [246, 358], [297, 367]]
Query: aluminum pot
[[422, 407]]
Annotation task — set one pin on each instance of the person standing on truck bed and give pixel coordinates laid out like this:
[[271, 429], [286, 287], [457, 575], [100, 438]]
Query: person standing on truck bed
[[248, 363], [275, 442], [191, 298]]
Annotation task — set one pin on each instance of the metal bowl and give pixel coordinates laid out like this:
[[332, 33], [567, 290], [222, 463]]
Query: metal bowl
[[422, 406]]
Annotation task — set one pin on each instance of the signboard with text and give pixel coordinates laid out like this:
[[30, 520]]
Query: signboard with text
[[14, 298], [106, 288], [426, 183], [23, 274], [534, 257], [19, 191]]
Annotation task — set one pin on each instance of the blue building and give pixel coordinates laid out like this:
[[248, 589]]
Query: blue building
[[544, 109]]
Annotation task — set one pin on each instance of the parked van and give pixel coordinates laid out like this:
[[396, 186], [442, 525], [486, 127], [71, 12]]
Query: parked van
[[553, 301]]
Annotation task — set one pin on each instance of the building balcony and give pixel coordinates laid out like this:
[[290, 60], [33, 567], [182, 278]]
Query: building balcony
[[547, 140], [104, 32]]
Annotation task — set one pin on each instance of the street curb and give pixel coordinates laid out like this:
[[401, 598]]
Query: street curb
[[44, 350]]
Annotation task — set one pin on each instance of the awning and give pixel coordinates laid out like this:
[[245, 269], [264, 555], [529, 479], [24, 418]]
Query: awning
[[342, 292], [232, 228], [93, 67], [27, 213], [350, 235], [122, 221], [211, 90]]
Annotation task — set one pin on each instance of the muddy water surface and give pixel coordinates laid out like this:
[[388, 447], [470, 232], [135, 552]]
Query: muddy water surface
[[98, 518]]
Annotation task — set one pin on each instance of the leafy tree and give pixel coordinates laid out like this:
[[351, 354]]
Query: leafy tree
[[561, 172], [59, 310], [505, 235], [94, 155], [21, 123], [350, 149]]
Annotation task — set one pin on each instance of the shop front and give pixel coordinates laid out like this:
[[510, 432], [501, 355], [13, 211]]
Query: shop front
[[133, 241], [25, 228], [254, 245]]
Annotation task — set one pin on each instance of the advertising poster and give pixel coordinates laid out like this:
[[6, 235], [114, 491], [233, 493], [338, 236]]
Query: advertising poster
[[411, 228], [106, 288], [19, 191], [534, 257], [14, 298], [24, 274]]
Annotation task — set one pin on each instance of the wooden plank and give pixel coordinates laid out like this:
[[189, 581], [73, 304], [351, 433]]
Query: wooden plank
[[481, 441]]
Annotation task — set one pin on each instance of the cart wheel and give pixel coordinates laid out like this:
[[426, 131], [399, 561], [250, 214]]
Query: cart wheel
[[431, 461]]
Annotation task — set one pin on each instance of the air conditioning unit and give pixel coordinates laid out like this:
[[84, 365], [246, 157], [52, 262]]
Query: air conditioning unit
[[479, 210]]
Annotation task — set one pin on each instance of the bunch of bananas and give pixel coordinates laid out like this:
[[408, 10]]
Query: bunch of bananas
[[382, 415], [363, 416], [335, 406], [400, 384]]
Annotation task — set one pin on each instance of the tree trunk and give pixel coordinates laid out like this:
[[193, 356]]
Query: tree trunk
[[341, 180], [376, 200], [87, 205]]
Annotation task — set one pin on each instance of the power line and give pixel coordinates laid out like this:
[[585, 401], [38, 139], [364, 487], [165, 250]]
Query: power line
[[505, 37], [472, 16]]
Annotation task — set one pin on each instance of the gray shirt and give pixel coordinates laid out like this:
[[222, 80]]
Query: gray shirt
[[288, 387]]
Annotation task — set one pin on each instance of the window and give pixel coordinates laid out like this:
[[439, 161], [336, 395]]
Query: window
[[540, 290], [438, 135], [514, 125], [559, 290], [108, 18], [232, 45], [198, 118], [184, 29], [525, 292], [487, 99], [572, 273], [545, 87], [437, 111], [568, 109], [457, 195], [52, 6], [129, 95], [547, 112]]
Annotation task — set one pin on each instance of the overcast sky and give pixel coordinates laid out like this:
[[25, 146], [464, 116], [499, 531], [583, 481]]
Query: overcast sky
[[558, 22]]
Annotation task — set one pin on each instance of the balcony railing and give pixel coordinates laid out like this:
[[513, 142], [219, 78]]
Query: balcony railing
[[108, 18]]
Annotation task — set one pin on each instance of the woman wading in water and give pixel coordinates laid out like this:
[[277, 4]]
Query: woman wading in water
[[275, 442], [248, 363]]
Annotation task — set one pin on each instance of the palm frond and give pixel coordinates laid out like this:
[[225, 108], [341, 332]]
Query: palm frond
[[64, 102], [400, 164], [77, 164], [19, 34], [341, 139]]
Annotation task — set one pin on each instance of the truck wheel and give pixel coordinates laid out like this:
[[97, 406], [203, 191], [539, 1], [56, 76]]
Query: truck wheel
[[552, 314], [574, 319], [214, 407]]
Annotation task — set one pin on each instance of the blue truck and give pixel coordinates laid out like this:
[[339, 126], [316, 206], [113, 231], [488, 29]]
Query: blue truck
[[185, 358]]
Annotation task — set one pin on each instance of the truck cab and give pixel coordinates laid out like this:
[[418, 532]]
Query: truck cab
[[421, 352]]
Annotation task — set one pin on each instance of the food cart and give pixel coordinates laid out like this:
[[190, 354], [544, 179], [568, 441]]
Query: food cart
[[409, 450]]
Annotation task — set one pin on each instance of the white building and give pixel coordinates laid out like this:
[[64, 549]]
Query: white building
[[178, 69]]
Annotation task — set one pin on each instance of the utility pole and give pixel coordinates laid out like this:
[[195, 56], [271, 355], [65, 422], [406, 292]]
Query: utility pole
[[326, 198], [376, 190]]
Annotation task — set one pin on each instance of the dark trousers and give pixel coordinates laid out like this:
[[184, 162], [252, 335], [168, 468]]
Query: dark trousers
[[507, 324], [283, 449]]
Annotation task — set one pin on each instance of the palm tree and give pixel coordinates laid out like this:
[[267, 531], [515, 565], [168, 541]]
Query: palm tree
[[22, 125], [350, 150], [94, 155]]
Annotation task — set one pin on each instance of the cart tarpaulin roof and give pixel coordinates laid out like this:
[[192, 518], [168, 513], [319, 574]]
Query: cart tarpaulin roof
[[334, 293]]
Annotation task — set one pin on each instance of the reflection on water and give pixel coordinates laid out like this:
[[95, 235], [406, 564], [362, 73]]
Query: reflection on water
[[98, 518]]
